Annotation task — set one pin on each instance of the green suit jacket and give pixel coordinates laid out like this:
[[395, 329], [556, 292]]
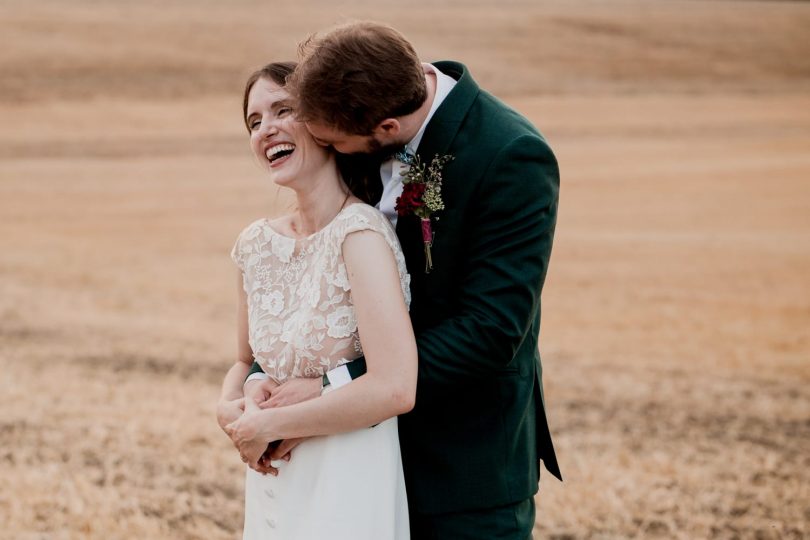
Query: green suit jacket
[[479, 429]]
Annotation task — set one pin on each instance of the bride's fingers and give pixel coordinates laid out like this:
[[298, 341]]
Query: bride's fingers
[[282, 451], [265, 404], [264, 467]]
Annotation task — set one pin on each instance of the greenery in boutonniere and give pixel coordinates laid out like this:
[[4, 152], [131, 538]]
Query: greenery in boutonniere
[[422, 196]]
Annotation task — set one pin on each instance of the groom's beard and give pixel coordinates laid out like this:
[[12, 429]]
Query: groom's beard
[[381, 152]]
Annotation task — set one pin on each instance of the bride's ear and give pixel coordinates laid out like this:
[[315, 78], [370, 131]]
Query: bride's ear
[[387, 129]]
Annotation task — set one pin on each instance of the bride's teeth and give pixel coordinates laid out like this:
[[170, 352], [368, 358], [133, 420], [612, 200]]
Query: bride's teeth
[[273, 150]]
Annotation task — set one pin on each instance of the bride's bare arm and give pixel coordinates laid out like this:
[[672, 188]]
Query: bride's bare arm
[[231, 402], [389, 386]]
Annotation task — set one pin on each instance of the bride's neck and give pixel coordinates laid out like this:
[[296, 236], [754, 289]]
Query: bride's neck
[[320, 202]]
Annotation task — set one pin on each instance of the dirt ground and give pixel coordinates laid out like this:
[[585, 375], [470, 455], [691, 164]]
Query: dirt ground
[[675, 336]]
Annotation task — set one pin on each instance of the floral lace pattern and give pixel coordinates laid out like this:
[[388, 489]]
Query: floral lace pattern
[[300, 313]]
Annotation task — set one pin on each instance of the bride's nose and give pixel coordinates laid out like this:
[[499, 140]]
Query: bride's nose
[[268, 128]]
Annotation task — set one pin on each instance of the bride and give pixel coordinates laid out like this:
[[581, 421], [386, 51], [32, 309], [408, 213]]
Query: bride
[[318, 288]]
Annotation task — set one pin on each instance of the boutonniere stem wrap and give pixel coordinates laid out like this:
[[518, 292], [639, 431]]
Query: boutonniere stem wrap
[[422, 196]]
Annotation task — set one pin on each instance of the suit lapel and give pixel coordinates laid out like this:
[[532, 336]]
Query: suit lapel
[[439, 134], [442, 128]]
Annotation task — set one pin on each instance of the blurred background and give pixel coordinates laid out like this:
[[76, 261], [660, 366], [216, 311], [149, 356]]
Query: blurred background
[[675, 333]]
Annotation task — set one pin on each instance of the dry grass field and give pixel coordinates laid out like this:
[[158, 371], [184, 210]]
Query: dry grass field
[[676, 312]]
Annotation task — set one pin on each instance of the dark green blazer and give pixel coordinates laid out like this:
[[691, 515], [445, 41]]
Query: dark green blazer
[[479, 429]]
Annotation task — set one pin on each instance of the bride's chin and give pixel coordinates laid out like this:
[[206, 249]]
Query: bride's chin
[[285, 182]]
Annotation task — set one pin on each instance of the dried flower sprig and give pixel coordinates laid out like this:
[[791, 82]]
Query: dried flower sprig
[[422, 196]]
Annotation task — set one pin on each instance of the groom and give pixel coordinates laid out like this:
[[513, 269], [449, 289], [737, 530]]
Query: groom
[[471, 446]]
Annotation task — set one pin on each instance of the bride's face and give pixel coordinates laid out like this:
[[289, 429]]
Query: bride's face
[[280, 142]]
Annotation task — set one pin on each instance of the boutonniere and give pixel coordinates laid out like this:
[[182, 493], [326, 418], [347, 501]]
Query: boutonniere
[[422, 195]]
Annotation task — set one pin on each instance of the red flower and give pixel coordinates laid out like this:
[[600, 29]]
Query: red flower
[[411, 198]]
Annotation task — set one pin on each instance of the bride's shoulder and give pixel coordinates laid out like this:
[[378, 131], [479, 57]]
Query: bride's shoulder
[[282, 224], [249, 242], [253, 230], [363, 213], [264, 227], [362, 217], [256, 234]]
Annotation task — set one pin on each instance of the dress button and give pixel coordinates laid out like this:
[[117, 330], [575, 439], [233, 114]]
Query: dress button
[[269, 493], [271, 523]]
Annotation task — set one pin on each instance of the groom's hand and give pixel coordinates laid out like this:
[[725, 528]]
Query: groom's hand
[[292, 392]]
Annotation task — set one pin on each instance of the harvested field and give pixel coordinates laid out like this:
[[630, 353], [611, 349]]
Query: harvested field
[[675, 335]]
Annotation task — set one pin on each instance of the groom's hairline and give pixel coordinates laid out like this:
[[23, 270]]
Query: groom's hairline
[[357, 51]]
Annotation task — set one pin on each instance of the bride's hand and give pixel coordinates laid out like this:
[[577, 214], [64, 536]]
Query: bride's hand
[[292, 392], [251, 434], [283, 450], [258, 391]]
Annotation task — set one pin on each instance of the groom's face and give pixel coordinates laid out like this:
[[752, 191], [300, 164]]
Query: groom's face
[[345, 143]]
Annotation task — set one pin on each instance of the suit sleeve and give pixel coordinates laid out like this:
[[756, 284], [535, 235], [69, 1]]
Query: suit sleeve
[[255, 368], [510, 227]]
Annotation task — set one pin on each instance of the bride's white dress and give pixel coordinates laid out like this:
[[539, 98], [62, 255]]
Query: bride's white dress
[[302, 324]]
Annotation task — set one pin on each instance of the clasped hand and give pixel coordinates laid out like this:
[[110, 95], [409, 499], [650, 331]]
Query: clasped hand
[[253, 432]]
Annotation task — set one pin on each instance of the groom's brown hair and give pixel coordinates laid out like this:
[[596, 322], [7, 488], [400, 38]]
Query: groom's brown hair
[[356, 76]]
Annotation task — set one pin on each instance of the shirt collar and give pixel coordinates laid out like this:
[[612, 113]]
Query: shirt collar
[[444, 84]]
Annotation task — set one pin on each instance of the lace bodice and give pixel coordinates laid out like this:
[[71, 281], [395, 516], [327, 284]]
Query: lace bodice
[[300, 313]]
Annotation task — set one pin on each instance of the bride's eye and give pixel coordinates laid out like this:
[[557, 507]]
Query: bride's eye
[[284, 111], [254, 124]]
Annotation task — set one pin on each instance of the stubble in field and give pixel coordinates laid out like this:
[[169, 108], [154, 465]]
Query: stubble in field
[[675, 315]]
